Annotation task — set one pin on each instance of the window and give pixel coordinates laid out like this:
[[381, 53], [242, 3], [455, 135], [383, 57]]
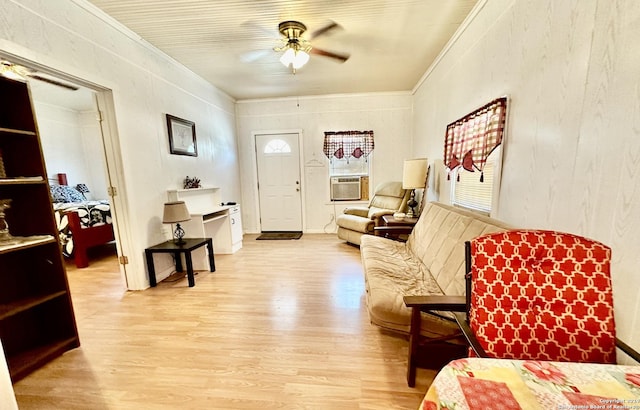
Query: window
[[349, 166], [277, 146], [348, 152], [472, 155], [467, 190]]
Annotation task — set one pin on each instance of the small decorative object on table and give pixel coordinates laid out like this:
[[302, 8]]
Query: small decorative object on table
[[5, 236], [191, 182]]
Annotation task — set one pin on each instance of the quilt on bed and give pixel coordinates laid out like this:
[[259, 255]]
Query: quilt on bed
[[91, 213]]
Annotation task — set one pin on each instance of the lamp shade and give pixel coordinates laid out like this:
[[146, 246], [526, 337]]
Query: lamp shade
[[414, 173], [288, 56], [175, 212], [300, 59], [82, 188], [294, 57]]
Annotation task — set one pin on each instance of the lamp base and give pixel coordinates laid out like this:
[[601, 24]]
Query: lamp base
[[178, 234], [412, 203]]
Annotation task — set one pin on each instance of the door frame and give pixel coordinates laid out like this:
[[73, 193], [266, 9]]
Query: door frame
[[105, 106], [254, 164]]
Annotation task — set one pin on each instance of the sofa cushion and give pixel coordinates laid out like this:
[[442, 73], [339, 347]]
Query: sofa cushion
[[355, 223], [352, 237], [431, 262], [391, 273], [375, 212], [393, 189], [357, 211], [389, 196], [438, 241]]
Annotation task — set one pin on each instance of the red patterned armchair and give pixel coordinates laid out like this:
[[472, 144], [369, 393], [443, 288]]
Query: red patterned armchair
[[540, 295]]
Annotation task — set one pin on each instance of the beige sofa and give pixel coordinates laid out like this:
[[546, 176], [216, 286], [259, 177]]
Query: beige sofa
[[389, 197], [431, 262], [427, 270]]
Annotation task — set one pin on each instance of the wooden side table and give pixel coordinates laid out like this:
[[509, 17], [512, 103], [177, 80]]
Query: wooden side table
[[390, 220], [187, 247], [395, 228]]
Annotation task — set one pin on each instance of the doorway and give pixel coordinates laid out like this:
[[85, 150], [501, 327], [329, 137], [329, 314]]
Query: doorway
[[279, 183], [75, 139]]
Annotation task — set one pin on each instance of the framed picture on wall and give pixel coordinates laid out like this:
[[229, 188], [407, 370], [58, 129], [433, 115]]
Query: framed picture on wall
[[182, 136]]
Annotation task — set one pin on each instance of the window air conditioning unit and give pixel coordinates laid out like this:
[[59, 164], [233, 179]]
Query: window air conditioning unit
[[345, 188]]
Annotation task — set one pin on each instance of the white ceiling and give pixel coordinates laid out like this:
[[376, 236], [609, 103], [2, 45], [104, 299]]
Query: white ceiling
[[230, 42]]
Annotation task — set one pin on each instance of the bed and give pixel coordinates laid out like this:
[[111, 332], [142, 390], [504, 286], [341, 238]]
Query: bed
[[82, 224]]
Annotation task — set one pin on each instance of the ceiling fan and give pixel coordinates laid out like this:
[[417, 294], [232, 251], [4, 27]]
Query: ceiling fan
[[19, 72], [297, 48]]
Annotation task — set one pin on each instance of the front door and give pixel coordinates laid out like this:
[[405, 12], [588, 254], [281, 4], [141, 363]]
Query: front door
[[279, 185]]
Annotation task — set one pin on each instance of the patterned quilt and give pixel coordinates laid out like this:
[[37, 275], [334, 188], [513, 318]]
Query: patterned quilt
[[92, 213], [480, 384]]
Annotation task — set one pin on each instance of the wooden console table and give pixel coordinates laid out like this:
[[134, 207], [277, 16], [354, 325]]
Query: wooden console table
[[186, 248]]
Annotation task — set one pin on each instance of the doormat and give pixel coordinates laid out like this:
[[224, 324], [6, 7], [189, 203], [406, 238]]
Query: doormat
[[265, 236]]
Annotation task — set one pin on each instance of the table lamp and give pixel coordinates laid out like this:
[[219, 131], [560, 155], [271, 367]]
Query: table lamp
[[83, 189], [414, 175], [176, 212]]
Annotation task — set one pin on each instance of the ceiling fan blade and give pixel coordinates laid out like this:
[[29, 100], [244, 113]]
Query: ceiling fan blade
[[254, 55], [324, 30], [54, 82], [330, 54], [252, 25]]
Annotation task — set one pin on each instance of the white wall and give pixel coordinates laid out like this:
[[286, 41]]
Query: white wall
[[572, 155], [93, 155], [72, 144], [74, 38], [7, 396], [388, 115]]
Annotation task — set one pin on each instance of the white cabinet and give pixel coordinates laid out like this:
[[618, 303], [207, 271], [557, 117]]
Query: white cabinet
[[236, 228], [210, 219]]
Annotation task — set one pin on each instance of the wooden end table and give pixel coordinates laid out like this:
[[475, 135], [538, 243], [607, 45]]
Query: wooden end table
[[402, 226], [186, 248], [390, 220]]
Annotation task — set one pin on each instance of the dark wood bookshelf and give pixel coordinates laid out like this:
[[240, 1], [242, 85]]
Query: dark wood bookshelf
[[37, 323]]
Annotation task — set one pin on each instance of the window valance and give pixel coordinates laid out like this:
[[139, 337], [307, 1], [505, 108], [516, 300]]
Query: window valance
[[345, 144], [470, 140]]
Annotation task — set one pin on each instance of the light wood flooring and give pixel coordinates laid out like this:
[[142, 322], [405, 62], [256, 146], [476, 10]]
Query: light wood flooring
[[279, 325]]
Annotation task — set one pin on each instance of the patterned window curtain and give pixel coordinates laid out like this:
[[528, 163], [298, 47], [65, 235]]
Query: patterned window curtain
[[470, 140], [345, 144]]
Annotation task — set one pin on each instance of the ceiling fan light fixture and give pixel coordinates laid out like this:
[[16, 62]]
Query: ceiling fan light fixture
[[296, 49], [295, 58], [301, 58], [288, 57]]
